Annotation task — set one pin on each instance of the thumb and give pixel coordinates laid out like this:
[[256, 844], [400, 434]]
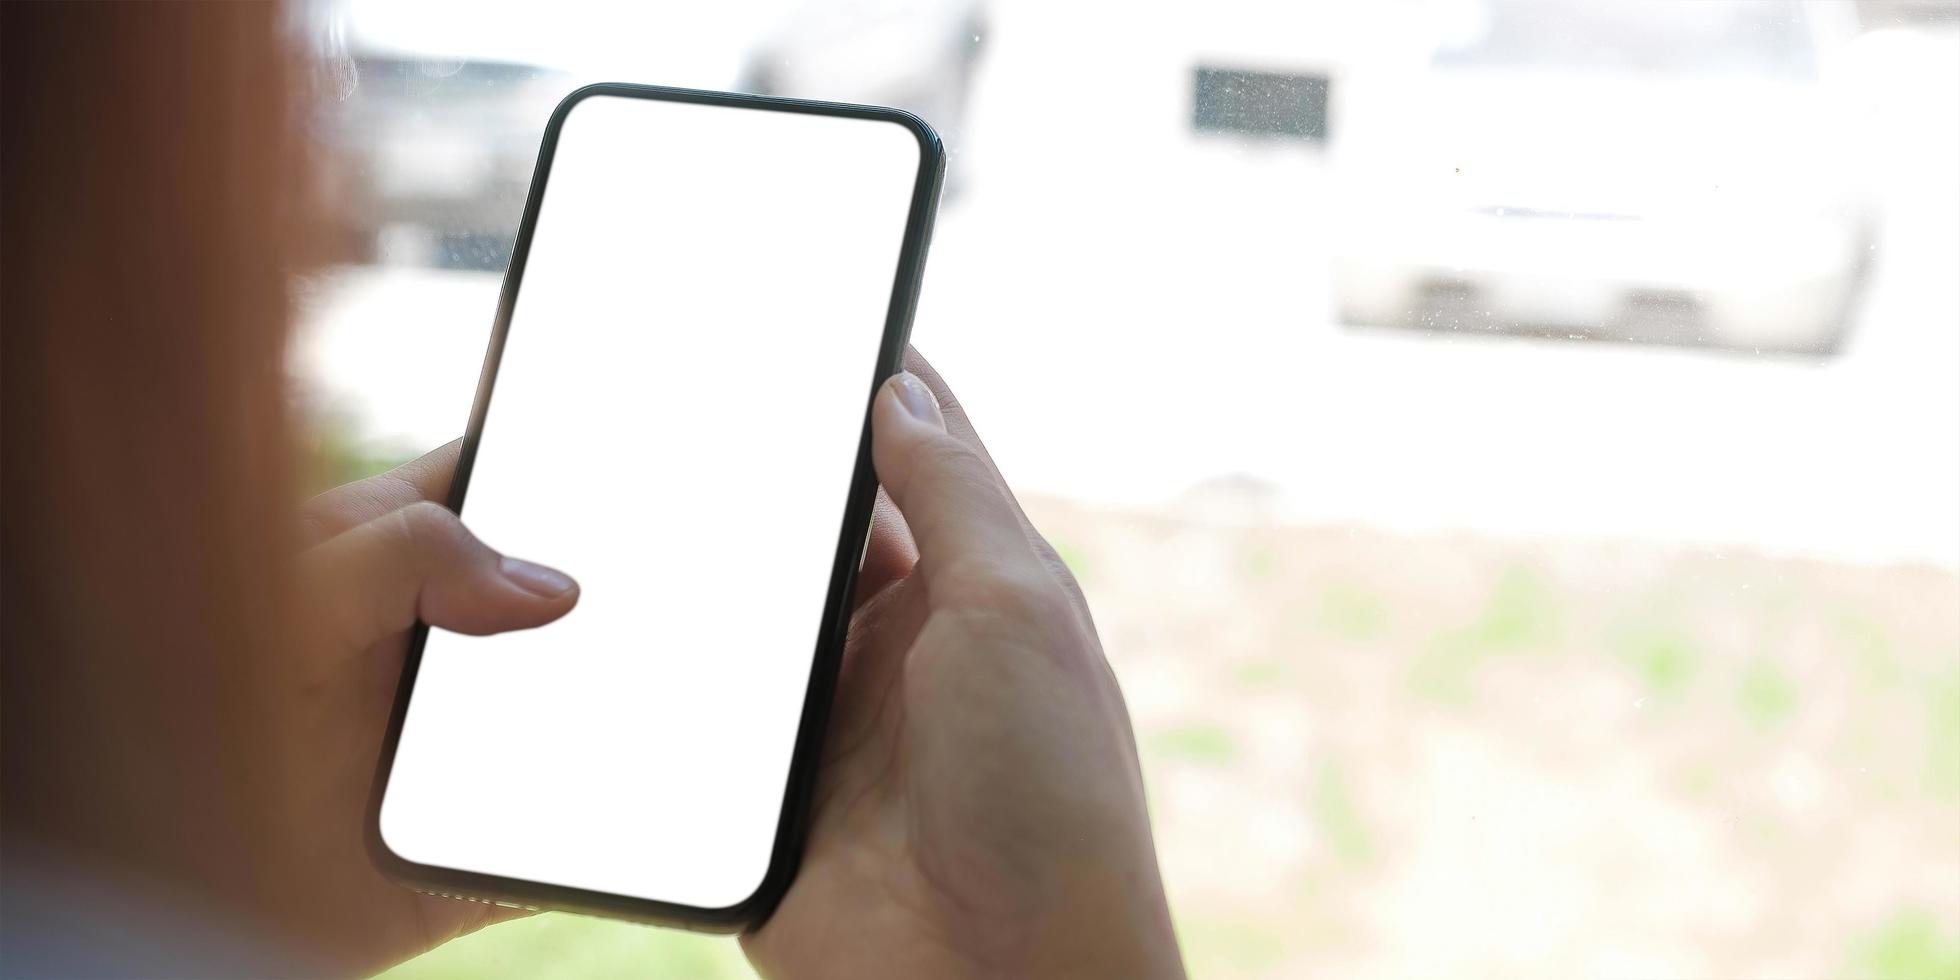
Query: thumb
[[419, 562], [951, 498]]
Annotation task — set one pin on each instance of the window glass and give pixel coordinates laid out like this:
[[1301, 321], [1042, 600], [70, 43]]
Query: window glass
[[1511, 447]]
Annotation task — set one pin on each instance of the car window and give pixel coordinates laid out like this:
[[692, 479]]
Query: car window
[[1763, 38], [1511, 448]]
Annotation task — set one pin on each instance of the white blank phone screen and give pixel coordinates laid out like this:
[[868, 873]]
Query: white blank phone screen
[[675, 423]]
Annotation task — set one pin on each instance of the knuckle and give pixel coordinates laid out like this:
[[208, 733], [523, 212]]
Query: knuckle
[[1022, 594], [425, 526], [922, 464], [1064, 575], [941, 456]]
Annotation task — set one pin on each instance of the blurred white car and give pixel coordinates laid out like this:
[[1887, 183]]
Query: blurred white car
[[437, 156], [1679, 171]]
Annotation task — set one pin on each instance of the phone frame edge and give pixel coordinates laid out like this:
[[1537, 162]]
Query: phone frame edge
[[793, 822]]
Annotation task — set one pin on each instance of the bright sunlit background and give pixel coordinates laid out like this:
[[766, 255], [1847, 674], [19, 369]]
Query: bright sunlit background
[[1511, 447]]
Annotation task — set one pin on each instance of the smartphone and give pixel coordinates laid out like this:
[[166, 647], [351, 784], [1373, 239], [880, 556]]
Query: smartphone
[[705, 293]]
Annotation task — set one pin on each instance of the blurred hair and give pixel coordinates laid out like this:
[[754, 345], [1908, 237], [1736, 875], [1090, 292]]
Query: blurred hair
[[149, 210]]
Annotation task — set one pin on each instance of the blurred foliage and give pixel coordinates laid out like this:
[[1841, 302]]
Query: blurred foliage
[[1766, 693], [1725, 665], [559, 946], [1665, 661], [1522, 614], [1335, 813], [1353, 613], [1235, 944], [1912, 946], [1867, 643], [1078, 564], [1259, 563], [1943, 736], [335, 456], [1259, 673], [1198, 743]]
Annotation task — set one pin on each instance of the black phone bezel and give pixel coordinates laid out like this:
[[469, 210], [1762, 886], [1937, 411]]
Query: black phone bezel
[[792, 824]]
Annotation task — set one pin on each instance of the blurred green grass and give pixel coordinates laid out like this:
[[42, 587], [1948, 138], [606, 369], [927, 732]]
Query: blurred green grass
[[1520, 615], [336, 455], [1766, 694], [1338, 817], [1207, 744], [558, 946], [1912, 946], [1680, 636]]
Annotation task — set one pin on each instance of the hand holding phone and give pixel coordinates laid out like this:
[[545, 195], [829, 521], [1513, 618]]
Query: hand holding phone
[[977, 721], [674, 407], [940, 705], [980, 809]]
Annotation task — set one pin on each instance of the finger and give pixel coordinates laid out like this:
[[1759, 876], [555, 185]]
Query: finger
[[343, 507], [881, 632], [889, 553], [957, 421], [960, 424], [951, 499], [420, 562]]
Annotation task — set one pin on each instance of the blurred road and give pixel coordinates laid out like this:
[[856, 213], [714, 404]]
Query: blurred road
[[1132, 312]]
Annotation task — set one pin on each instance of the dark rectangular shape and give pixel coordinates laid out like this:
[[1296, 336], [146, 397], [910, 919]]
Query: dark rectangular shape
[[1259, 103]]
